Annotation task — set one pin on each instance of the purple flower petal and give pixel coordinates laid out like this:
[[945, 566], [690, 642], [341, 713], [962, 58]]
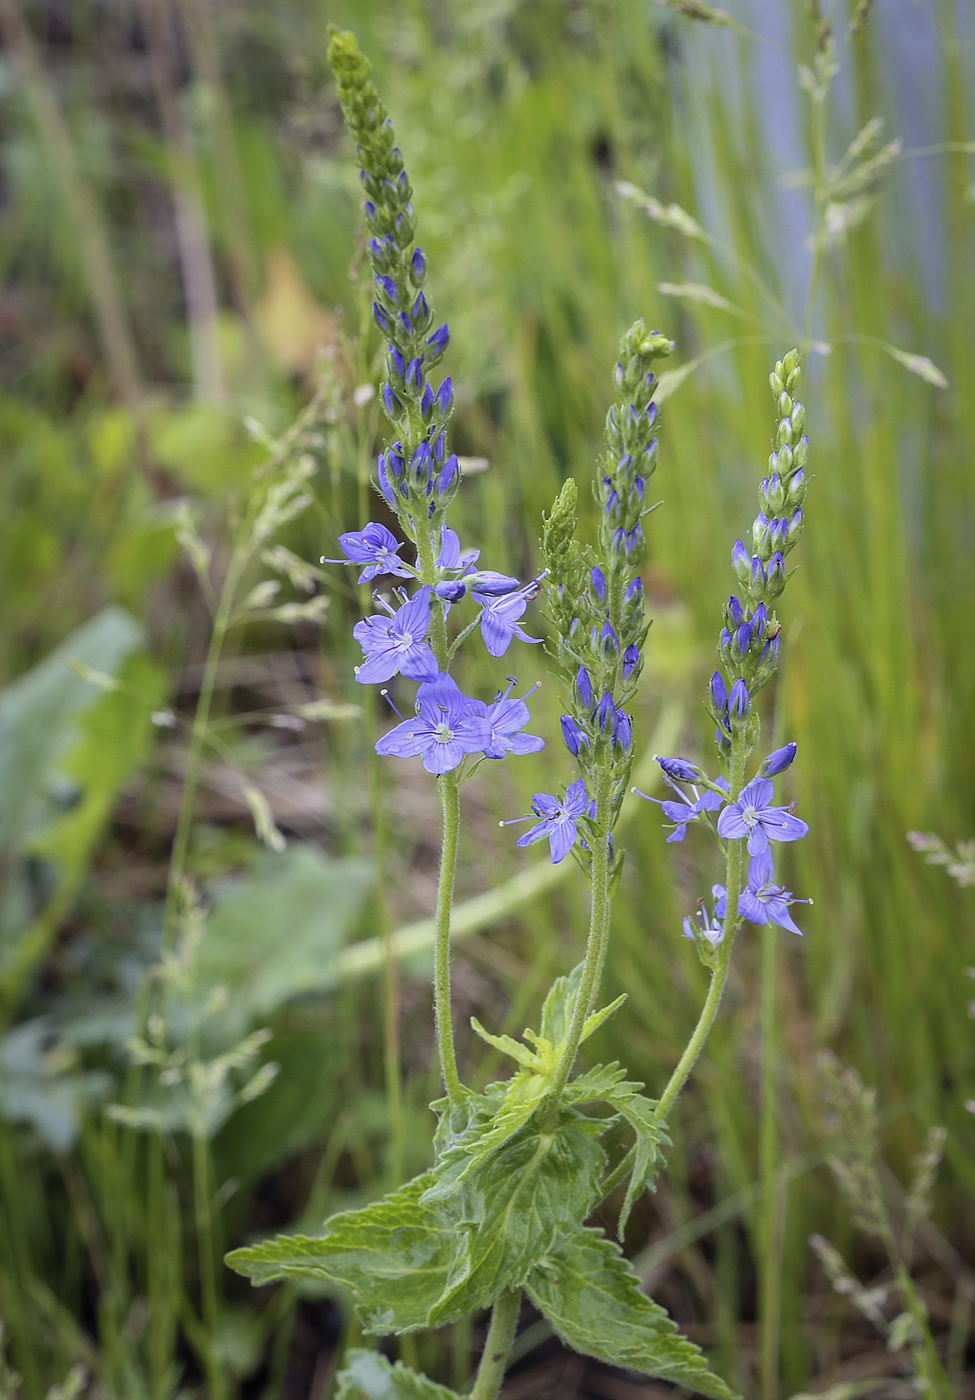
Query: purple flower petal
[[731, 824], [781, 825]]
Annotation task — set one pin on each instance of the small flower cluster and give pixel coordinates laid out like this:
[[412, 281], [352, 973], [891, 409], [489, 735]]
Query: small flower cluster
[[751, 818], [597, 602], [749, 649], [418, 479], [749, 644]]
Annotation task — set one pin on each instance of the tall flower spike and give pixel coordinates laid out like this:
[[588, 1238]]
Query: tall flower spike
[[417, 409], [749, 642], [596, 597]]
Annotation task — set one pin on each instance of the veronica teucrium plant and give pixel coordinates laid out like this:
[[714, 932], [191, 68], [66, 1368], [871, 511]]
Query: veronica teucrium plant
[[519, 1167]]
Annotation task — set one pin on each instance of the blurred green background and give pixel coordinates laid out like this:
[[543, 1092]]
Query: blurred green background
[[182, 275]]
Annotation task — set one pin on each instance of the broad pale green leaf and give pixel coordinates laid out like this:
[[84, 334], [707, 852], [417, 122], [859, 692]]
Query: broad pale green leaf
[[104, 745], [393, 1256], [513, 1208], [592, 1298], [39, 714], [369, 1376], [557, 1007], [494, 1119]]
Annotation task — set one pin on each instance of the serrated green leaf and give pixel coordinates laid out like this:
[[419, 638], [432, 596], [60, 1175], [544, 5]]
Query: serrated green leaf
[[514, 1207], [394, 1257], [369, 1376], [506, 1045], [650, 1139], [591, 1296], [557, 1007], [597, 1083], [593, 1022]]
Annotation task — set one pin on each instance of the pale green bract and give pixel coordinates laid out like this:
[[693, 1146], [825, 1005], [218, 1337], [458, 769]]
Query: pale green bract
[[591, 1296]]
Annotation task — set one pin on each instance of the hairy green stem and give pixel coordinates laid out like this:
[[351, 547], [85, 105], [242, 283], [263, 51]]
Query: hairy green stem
[[450, 803], [735, 867], [773, 1197], [599, 917], [501, 1333]]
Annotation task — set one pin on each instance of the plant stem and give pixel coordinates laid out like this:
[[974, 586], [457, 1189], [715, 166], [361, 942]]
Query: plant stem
[[450, 804], [501, 1333], [773, 1189], [208, 1283], [735, 866], [599, 917], [198, 735]]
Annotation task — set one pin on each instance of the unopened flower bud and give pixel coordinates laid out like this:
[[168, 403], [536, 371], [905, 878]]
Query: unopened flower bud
[[680, 769], [575, 738], [584, 688], [719, 694], [606, 714], [599, 584], [739, 705], [777, 761]]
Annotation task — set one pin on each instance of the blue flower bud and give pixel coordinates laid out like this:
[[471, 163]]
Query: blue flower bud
[[609, 641], [575, 738], [634, 589], [381, 320], [420, 462], [445, 395], [758, 576], [385, 485], [377, 253], [370, 209], [414, 375], [421, 313], [599, 584], [606, 714], [396, 363], [387, 285], [623, 731], [739, 704], [393, 405], [794, 529], [584, 688], [760, 621], [719, 694], [450, 474], [418, 268], [451, 590], [439, 443], [743, 638], [734, 614], [630, 658], [680, 769], [775, 575], [777, 761], [426, 403], [438, 341], [395, 460], [722, 740], [405, 325], [725, 639], [741, 561]]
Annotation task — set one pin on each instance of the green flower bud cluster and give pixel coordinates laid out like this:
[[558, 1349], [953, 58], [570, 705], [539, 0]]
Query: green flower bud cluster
[[417, 476], [596, 596], [749, 642]]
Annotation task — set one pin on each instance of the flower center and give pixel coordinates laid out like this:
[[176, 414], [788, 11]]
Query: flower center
[[406, 639], [443, 734], [750, 816]]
